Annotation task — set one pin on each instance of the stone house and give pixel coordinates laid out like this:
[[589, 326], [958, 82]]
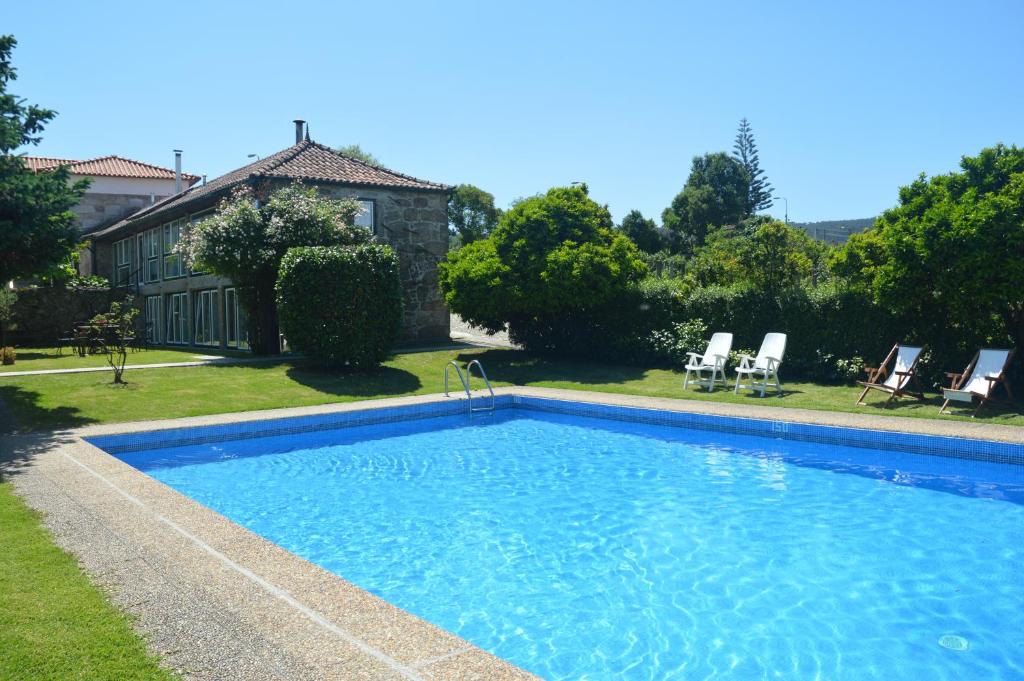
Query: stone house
[[182, 307], [118, 186]]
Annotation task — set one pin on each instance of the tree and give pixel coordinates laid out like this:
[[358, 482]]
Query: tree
[[355, 151], [112, 332], [471, 213], [771, 258], [553, 272], [643, 232], [745, 151], [949, 259], [245, 241], [37, 229], [7, 300], [715, 194]]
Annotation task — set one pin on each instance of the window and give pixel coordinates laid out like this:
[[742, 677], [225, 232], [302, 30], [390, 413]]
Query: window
[[207, 331], [177, 319], [150, 252], [173, 266], [122, 261], [365, 218], [236, 324], [153, 319]]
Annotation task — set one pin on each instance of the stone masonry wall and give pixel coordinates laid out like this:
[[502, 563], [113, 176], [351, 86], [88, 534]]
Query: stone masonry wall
[[415, 224], [104, 209]]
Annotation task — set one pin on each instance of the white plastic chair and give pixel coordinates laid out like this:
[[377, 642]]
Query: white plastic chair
[[765, 365], [713, 360]]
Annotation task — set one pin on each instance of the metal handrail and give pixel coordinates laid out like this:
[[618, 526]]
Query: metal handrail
[[483, 375], [466, 380], [462, 379]]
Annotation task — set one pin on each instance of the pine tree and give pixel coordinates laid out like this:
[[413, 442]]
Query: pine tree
[[745, 151]]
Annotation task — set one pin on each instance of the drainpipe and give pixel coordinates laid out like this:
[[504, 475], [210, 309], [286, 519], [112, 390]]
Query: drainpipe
[[177, 171]]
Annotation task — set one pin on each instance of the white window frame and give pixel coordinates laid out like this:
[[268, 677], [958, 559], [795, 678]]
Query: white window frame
[[206, 321], [122, 261], [150, 252], [176, 312], [154, 319], [173, 268], [367, 218], [236, 332]]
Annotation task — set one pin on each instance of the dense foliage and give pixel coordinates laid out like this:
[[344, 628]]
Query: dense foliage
[[245, 241], [553, 273], [771, 257], [37, 228], [354, 321], [471, 213], [745, 151], [643, 231], [716, 194], [949, 259]]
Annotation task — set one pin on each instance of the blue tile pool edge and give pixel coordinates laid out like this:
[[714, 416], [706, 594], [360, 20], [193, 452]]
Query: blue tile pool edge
[[935, 445]]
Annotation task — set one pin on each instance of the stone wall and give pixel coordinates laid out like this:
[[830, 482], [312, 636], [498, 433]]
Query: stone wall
[[95, 210], [42, 315], [415, 224]]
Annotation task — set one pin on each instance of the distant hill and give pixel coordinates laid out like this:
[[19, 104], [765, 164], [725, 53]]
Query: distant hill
[[835, 231]]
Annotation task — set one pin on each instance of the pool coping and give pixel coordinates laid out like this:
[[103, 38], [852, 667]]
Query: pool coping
[[217, 600]]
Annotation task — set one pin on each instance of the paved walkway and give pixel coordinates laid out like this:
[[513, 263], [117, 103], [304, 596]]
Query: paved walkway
[[159, 365], [461, 331]]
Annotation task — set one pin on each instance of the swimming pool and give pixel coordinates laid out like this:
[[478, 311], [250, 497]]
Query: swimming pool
[[581, 540]]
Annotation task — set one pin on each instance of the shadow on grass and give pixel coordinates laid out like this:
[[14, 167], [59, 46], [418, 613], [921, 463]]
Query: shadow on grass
[[20, 412], [521, 368], [931, 404], [25, 428], [382, 382]]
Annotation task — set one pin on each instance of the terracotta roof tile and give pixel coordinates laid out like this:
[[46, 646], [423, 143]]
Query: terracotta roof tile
[[304, 161], [108, 166]]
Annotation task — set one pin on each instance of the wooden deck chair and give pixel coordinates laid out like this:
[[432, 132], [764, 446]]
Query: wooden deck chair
[[713, 360], [898, 377], [979, 379], [765, 365]]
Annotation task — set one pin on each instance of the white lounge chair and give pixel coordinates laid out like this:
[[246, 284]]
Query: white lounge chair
[[979, 379], [713, 360], [765, 366], [899, 375]]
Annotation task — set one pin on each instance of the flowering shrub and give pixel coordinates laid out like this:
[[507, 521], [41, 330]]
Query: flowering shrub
[[672, 345], [245, 241], [353, 322]]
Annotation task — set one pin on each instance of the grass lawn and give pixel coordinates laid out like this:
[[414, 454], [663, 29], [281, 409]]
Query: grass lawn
[[41, 402], [34, 359], [54, 624]]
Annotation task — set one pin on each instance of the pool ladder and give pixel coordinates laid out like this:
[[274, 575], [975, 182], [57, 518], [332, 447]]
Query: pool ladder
[[466, 378]]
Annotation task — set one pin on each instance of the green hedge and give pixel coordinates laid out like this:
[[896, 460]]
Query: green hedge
[[341, 305], [829, 329]]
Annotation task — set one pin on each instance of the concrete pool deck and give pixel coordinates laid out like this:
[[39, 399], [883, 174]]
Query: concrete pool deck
[[219, 602]]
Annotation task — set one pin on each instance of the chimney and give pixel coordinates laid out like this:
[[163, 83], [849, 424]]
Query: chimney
[[177, 171], [298, 129]]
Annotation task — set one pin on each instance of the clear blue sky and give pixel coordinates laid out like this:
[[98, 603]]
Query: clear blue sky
[[847, 100]]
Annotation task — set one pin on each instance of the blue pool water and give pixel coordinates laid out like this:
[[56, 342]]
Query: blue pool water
[[587, 548]]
